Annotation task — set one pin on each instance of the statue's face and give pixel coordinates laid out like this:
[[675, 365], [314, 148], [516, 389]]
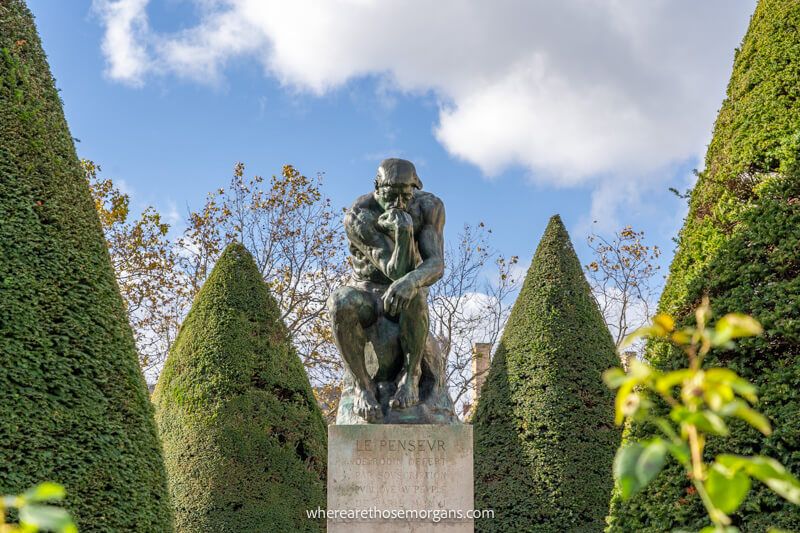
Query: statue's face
[[394, 195]]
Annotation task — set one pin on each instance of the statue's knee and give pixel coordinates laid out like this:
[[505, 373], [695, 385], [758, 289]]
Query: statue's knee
[[338, 302], [344, 305]]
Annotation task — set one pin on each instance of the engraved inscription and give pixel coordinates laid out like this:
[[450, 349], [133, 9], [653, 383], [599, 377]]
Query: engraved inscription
[[399, 467], [393, 445]]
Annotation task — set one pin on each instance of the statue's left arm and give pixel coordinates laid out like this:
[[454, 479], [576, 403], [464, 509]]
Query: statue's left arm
[[430, 243]]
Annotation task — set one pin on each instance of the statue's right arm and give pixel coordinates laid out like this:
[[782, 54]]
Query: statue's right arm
[[362, 231]]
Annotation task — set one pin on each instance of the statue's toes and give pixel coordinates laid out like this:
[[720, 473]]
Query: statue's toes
[[402, 400], [362, 412], [374, 414], [410, 400]]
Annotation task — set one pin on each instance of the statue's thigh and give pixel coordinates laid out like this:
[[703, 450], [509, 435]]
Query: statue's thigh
[[417, 308]]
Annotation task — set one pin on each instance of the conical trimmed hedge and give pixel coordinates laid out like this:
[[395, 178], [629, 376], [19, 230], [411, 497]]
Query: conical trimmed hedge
[[740, 244], [73, 403], [544, 427], [244, 439]]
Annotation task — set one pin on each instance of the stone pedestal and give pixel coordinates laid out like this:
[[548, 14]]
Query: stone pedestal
[[394, 478]]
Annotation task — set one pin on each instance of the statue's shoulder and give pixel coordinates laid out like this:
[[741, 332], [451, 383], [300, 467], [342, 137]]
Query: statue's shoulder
[[428, 201], [365, 201], [430, 207], [363, 211]]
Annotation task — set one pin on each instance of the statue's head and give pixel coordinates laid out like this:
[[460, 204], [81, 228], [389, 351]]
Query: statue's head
[[395, 183]]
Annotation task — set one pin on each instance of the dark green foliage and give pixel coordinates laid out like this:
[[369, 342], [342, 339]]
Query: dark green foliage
[[244, 439], [73, 403], [741, 245], [544, 431]]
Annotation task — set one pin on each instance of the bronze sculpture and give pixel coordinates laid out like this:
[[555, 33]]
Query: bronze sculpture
[[395, 372]]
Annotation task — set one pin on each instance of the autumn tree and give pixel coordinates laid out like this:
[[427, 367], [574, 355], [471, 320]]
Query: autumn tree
[[144, 260], [296, 238], [622, 277], [470, 304], [294, 232]]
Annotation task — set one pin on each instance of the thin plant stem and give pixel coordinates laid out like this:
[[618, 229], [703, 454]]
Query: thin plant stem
[[716, 516], [697, 457]]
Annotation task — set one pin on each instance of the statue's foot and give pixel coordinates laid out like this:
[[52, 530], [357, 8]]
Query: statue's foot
[[366, 406], [407, 392]]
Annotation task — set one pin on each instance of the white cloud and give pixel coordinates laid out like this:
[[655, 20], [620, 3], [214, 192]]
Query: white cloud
[[173, 217], [125, 39], [124, 187], [576, 91]]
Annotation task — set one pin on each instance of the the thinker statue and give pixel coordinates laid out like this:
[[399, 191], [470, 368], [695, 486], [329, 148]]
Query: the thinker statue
[[395, 372]]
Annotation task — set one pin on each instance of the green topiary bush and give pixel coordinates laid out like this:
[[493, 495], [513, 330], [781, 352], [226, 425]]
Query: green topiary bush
[[544, 427], [73, 403], [244, 439], [740, 244]]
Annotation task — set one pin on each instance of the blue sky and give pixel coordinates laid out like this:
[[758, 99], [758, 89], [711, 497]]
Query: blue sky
[[512, 111]]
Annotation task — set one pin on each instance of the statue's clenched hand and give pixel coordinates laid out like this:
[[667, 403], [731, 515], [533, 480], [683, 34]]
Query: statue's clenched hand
[[398, 295], [395, 219]]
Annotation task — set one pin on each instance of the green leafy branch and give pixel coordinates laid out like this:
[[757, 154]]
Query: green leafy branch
[[33, 514], [700, 400]]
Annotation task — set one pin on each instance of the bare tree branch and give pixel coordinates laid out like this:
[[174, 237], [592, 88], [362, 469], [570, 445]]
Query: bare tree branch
[[622, 280]]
